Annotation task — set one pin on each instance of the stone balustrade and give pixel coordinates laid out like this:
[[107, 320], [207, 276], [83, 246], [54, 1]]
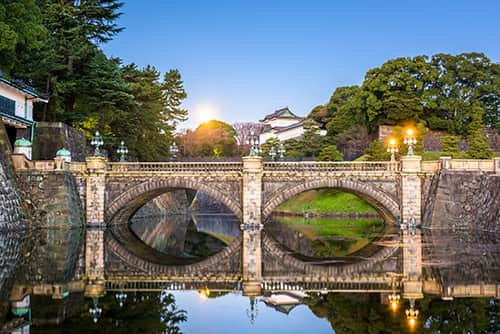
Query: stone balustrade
[[308, 167], [176, 167]]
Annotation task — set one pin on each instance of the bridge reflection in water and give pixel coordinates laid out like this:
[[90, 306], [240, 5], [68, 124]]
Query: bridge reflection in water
[[405, 266]]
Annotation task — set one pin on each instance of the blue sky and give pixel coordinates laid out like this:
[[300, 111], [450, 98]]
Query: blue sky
[[240, 60]]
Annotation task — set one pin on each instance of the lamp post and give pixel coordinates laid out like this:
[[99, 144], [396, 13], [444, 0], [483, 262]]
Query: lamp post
[[392, 149], [253, 141], [272, 153], [394, 300], [281, 151], [412, 314], [121, 297], [95, 311], [410, 140], [173, 151], [97, 141], [122, 151]]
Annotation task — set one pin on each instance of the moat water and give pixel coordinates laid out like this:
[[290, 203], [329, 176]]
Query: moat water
[[459, 272]]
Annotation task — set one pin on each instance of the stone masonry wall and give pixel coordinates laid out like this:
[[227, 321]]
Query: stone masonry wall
[[173, 202], [464, 200], [55, 202], [12, 215], [50, 137]]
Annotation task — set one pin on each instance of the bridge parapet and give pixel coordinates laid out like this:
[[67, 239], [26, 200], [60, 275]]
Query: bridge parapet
[[330, 167], [196, 168]]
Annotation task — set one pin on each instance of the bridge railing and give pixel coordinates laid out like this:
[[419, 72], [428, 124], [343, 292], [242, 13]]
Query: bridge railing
[[472, 165], [177, 167], [331, 166]]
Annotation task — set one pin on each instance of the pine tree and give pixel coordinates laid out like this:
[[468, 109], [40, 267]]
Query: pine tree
[[174, 94], [479, 148]]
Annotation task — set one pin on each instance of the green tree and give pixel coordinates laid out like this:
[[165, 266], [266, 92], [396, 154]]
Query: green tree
[[377, 151], [396, 92], [346, 109], [21, 32], [266, 146], [479, 148], [212, 139], [449, 145], [174, 95], [330, 153]]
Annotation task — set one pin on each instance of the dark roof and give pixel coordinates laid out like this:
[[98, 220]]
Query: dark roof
[[19, 85], [285, 128], [281, 113]]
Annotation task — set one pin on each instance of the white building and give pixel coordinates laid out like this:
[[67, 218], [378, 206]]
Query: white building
[[283, 124], [16, 111]]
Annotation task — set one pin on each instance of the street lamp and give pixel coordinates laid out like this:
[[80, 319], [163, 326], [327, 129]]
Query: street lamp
[[412, 313], [392, 149], [122, 151], [97, 141], [173, 151], [253, 141], [410, 140], [121, 297], [272, 153], [281, 151], [95, 311], [394, 300]]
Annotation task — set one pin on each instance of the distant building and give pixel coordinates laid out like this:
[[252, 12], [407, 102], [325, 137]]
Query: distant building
[[16, 112], [283, 124]]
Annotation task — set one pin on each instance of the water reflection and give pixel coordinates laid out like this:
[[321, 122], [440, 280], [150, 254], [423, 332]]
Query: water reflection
[[325, 237], [42, 275], [195, 236]]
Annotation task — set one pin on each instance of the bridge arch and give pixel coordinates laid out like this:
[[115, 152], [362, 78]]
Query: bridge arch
[[382, 202], [126, 204]]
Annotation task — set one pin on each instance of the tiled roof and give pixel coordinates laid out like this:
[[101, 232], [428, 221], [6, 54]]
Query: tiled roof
[[279, 129], [19, 85], [283, 112]]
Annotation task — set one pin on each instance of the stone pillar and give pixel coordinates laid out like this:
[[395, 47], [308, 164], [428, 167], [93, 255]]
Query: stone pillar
[[96, 190], [412, 264], [411, 192], [252, 225], [94, 254], [496, 164], [445, 162]]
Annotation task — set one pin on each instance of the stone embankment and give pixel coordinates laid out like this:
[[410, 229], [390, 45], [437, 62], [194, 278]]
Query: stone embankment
[[464, 200], [53, 198], [12, 215]]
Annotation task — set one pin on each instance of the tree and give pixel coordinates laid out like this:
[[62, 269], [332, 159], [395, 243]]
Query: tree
[[478, 143], [212, 139], [266, 147], [449, 145], [346, 108], [174, 94], [21, 32], [243, 133], [396, 92], [330, 153], [377, 151]]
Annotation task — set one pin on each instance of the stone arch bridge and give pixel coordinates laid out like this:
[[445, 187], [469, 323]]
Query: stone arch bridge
[[252, 189]]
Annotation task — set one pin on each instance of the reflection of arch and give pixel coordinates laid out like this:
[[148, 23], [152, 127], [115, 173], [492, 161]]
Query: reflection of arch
[[289, 263], [388, 207], [227, 261], [132, 199]]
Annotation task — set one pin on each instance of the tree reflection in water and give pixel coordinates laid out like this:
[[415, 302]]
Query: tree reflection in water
[[141, 313], [363, 313]]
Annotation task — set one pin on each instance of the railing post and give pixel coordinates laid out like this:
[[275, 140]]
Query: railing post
[[252, 225], [496, 165], [411, 194], [445, 162]]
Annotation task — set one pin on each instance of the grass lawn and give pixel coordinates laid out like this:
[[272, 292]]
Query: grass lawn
[[336, 236], [325, 201]]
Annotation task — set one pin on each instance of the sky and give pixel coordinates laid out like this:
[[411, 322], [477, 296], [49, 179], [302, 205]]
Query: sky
[[241, 60]]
